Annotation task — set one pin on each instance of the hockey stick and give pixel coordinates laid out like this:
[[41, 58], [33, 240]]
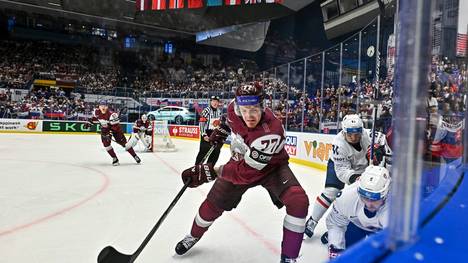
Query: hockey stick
[[377, 77], [111, 255], [373, 132]]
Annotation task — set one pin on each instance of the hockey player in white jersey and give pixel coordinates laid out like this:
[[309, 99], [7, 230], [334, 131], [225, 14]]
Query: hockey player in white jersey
[[360, 210], [349, 159]]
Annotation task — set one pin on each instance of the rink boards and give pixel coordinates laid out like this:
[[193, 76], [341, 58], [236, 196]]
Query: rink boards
[[310, 149]]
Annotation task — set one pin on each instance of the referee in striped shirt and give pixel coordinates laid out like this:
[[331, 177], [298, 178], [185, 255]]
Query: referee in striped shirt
[[209, 120]]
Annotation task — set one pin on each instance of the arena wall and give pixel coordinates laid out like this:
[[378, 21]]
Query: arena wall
[[310, 149]]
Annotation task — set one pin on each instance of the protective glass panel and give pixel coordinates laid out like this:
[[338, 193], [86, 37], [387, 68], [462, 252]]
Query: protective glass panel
[[296, 96], [313, 93], [331, 83]]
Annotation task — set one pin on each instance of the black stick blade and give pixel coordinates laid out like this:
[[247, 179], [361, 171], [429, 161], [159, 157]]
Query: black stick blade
[[111, 255]]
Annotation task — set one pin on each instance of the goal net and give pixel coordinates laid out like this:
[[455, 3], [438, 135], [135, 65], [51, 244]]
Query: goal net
[[161, 139]]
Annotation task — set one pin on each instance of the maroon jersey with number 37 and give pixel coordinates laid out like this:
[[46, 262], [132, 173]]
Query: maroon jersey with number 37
[[255, 152]]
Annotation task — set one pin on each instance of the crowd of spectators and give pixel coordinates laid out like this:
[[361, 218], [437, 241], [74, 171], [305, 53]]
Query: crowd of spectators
[[305, 110], [447, 92], [176, 78], [44, 104], [24, 61], [172, 77], [101, 72]]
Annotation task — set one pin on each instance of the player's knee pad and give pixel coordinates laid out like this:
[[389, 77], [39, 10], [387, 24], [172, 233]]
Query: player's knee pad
[[296, 201], [124, 144], [327, 197], [209, 211]]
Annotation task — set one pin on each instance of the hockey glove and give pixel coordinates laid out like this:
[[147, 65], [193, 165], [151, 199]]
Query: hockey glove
[[379, 153], [88, 124], [334, 252], [220, 134], [199, 174]]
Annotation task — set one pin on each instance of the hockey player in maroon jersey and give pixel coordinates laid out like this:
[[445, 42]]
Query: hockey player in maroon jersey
[[142, 130], [258, 158], [110, 126]]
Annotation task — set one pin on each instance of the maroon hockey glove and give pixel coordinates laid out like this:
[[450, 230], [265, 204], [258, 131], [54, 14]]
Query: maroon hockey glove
[[199, 174], [88, 124], [379, 153], [220, 134]]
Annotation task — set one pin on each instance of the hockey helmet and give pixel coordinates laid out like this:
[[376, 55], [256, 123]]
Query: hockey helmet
[[249, 94], [103, 103], [352, 123], [374, 183]]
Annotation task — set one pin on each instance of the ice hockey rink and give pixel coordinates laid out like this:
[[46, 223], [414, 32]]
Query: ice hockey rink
[[62, 201]]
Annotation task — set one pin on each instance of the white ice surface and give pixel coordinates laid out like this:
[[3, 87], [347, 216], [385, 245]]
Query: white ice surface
[[61, 200]]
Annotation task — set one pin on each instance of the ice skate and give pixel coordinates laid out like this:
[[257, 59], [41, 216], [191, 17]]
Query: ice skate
[[186, 244]]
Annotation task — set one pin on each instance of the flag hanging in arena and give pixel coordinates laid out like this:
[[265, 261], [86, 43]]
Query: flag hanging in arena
[[195, 3], [214, 2], [461, 44], [260, 1], [143, 5], [175, 4], [158, 4], [232, 2]]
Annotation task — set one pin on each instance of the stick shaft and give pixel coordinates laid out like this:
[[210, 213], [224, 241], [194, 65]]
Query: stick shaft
[[168, 210], [155, 228]]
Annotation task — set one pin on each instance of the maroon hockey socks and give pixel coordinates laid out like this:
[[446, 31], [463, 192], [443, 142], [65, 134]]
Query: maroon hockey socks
[[110, 151], [206, 215], [131, 151], [297, 203]]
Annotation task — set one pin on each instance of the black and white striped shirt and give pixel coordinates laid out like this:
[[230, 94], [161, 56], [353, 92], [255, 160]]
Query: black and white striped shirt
[[208, 116]]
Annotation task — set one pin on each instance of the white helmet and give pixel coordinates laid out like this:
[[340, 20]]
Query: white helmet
[[352, 123], [374, 183], [144, 118]]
